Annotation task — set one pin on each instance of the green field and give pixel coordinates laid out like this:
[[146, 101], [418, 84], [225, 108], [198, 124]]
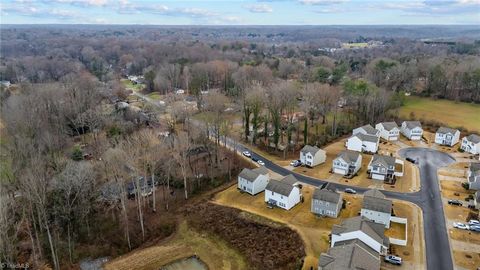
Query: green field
[[134, 87], [450, 113]]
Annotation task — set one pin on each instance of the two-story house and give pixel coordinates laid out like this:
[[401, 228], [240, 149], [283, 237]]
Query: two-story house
[[412, 130], [473, 176], [471, 144], [388, 131], [312, 156], [363, 143], [382, 167], [284, 193], [253, 181], [367, 130], [447, 136], [326, 202], [349, 255], [348, 162], [376, 207]]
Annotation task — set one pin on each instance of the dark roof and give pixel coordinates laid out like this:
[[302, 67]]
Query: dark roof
[[473, 138], [445, 130], [413, 124], [368, 138], [349, 156], [375, 200], [369, 129], [384, 160], [310, 149], [248, 175], [261, 170], [389, 125], [350, 255], [283, 186], [358, 223], [327, 195]]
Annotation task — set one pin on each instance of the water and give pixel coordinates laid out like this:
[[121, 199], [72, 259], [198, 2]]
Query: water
[[191, 263]]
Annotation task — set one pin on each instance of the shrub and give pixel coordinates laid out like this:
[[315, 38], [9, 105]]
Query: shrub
[[77, 153], [466, 185]]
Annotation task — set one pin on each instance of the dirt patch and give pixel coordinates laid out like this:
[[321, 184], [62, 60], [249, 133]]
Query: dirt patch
[[465, 236], [467, 260], [264, 247], [396, 230]]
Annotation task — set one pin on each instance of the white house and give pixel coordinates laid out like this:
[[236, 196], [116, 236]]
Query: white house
[[370, 233], [376, 207], [473, 176], [348, 162], [284, 193], [383, 168], [367, 130], [363, 143], [388, 130], [312, 156], [412, 130], [447, 136], [471, 144], [253, 181]]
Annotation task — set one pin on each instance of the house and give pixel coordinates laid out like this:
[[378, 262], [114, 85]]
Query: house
[[367, 130], [447, 136], [473, 176], [477, 200], [284, 193], [368, 232], [5, 83], [412, 130], [376, 207], [362, 143], [382, 167], [347, 163], [326, 202], [388, 130], [312, 156], [471, 144], [351, 255], [253, 181]]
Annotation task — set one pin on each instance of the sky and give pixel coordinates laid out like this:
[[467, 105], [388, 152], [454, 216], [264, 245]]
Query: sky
[[241, 12]]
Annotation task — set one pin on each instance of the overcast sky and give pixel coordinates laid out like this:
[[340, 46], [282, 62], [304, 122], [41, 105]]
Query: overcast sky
[[247, 12]]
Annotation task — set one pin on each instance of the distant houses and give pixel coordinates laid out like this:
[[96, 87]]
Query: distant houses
[[347, 163], [383, 168], [447, 136], [326, 202], [363, 143], [471, 144], [367, 130], [412, 130], [253, 181], [376, 207], [284, 193], [312, 156], [388, 131]]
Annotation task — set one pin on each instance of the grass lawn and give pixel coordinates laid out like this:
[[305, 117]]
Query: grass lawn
[[154, 96], [185, 243], [453, 114], [134, 87]]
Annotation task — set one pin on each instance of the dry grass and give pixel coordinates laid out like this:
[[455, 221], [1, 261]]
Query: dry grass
[[396, 230], [465, 114], [467, 260], [185, 243], [465, 236]]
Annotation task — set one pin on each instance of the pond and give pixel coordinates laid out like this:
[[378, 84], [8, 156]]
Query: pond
[[192, 263]]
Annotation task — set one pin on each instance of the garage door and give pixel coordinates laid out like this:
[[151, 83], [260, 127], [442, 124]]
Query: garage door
[[339, 171], [394, 138], [415, 138], [378, 176]]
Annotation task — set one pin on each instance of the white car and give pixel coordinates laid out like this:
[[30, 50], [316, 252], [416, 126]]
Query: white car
[[474, 222], [261, 163], [393, 259], [461, 226], [246, 153]]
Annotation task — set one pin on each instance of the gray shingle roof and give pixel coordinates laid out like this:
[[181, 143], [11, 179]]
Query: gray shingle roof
[[350, 255], [327, 195], [372, 229], [310, 149], [473, 138], [389, 125], [375, 200], [251, 175], [283, 186], [261, 170], [413, 124], [349, 156], [474, 167], [386, 161], [369, 129], [368, 138], [445, 130]]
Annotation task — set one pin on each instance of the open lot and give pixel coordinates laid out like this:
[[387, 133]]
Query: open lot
[[466, 115], [315, 230], [466, 259]]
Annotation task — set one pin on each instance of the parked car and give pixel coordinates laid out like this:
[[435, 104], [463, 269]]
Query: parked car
[[411, 160], [295, 163], [393, 259], [246, 153], [350, 190], [461, 226], [255, 159], [475, 228], [455, 202], [261, 163], [474, 222]]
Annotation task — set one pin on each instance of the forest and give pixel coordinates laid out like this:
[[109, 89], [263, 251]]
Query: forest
[[83, 151]]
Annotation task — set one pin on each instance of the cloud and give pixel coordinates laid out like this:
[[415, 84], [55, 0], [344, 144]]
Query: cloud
[[86, 3], [321, 2], [259, 8], [432, 8]]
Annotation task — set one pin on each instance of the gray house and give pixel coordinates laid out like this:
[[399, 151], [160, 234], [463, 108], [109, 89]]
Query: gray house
[[351, 254], [326, 202], [382, 167], [348, 162], [376, 207]]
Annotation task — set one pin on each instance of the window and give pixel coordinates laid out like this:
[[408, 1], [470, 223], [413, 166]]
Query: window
[[272, 193]]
